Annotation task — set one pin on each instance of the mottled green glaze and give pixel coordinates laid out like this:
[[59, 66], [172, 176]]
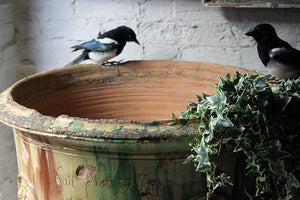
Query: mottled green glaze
[[117, 174]]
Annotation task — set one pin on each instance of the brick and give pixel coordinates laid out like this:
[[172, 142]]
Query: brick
[[226, 56], [10, 57], [188, 5], [251, 61], [8, 160], [131, 51], [161, 52], [157, 10], [108, 10]]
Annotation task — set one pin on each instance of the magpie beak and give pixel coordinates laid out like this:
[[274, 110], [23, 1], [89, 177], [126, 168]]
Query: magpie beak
[[136, 41], [250, 32]]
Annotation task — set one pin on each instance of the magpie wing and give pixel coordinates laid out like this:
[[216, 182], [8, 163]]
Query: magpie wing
[[289, 56], [95, 45]]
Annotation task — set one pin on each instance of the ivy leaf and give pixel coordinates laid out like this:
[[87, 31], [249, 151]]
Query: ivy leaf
[[260, 83], [285, 102], [232, 134], [239, 145], [222, 121], [258, 121], [189, 159], [202, 157], [217, 99]]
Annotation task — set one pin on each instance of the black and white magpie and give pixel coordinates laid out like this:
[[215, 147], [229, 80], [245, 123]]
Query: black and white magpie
[[277, 55], [106, 46]]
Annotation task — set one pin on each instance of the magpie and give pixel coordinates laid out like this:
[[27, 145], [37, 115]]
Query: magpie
[[277, 55], [106, 46]]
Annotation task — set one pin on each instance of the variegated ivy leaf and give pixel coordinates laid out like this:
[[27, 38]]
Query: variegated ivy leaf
[[261, 122]]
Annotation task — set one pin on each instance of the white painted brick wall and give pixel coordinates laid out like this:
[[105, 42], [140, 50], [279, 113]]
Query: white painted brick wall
[[167, 29], [8, 75], [38, 34]]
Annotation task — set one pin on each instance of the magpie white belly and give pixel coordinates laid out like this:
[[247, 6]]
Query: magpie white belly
[[283, 71], [100, 57]]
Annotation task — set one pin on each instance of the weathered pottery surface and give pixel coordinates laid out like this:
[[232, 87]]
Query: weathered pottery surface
[[85, 132]]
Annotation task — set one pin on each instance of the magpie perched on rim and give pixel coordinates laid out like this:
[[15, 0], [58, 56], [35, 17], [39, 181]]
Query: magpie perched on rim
[[106, 46], [277, 55]]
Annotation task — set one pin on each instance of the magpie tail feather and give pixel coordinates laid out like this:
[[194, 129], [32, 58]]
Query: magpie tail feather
[[79, 59]]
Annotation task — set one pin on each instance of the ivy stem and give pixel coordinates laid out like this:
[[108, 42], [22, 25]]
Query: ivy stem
[[220, 147], [276, 187], [219, 151]]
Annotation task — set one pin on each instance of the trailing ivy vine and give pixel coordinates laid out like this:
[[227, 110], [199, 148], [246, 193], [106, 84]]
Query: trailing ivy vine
[[257, 120]]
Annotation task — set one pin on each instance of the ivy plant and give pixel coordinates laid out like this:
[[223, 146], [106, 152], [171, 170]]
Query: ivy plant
[[257, 120]]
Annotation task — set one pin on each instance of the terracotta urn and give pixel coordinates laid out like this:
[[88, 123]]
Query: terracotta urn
[[87, 132]]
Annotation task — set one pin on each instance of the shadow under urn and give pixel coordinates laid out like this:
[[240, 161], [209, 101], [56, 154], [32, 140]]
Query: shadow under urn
[[86, 132]]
